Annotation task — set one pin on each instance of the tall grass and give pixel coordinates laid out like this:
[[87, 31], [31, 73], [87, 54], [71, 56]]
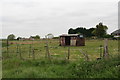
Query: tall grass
[[61, 68]]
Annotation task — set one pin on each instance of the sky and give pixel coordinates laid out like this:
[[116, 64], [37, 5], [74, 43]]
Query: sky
[[40, 17]]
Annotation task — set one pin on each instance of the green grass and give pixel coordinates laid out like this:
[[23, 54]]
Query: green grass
[[59, 66], [61, 69], [4, 44]]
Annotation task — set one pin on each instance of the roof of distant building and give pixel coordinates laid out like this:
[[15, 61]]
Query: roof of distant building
[[69, 35], [116, 32]]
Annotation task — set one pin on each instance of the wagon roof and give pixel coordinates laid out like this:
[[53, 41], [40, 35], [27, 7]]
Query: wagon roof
[[116, 32], [63, 35]]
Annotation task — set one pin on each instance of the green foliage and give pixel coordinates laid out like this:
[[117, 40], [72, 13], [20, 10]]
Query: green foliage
[[49, 36], [4, 44], [61, 69], [100, 30], [108, 36], [19, 38], [71, 31], [81, 30], [11, 37], [35, 37], [55, 37], [98, 69]]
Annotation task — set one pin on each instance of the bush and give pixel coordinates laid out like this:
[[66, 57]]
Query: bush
[[108, 36], [55, 37]]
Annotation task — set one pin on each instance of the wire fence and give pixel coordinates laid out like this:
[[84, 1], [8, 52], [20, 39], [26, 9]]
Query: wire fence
[[49, 50], [27, 50]]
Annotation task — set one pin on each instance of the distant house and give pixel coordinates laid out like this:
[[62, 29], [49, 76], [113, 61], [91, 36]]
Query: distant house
[[72, 40], [116, 33]]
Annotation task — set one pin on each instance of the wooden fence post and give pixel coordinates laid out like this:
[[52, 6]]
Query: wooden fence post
[[46, 52], [17, 51], [105, 54], [7, 47], [68, 53], [33, 54], [20, 52], [101, 51], [47, 49], [29, 50]]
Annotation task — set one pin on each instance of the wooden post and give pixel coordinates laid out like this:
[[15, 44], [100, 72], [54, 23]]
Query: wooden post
[[20, 52], [17, 51], [48, 52], [68, 53], [33, 54], [29, 50], [101, 51], [47, 49], [7, 47], [105, 54]]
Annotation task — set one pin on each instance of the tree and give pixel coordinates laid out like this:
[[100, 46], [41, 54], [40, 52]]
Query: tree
[[89, 32], [37, 37], [100, 30], [50, 36], [11, 37], [81, 30], [19, 38], [71, 31]]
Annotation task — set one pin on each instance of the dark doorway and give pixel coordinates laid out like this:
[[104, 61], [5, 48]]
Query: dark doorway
[[67, 40]]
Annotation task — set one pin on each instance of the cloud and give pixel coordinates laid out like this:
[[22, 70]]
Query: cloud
[[119, 15], [30, 17]]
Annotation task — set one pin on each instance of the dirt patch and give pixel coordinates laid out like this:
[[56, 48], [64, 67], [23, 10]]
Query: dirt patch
[[25, 42]]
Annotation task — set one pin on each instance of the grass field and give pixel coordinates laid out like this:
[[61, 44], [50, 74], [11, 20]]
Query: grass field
[[59, 66]]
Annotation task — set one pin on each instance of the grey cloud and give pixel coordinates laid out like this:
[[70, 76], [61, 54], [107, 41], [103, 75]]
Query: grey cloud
[[119, 15], [23, 3], [25, 18]]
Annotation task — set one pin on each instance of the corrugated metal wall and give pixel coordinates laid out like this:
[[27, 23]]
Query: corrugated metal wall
[[62, 41], [73, 41]]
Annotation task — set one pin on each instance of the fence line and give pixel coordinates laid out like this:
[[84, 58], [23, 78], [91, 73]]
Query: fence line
[[32, 51]]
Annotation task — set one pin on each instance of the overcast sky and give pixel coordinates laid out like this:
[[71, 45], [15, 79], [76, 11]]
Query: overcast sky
[[40, 17]]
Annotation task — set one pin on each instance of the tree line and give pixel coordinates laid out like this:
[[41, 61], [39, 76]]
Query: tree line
[[12, 37], [83, 31], [100, 31]]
